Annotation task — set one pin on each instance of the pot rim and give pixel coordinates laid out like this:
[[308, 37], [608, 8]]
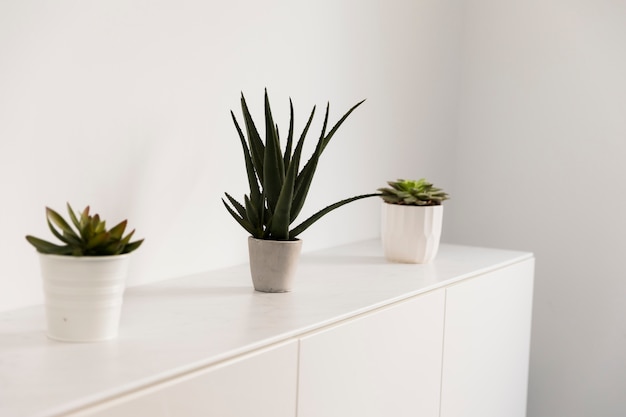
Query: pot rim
[[73, 258], [413, 205], [294, 241]]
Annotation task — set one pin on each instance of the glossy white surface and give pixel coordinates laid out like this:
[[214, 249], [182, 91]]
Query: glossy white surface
[[385, 363], [262, 384], [181, 325], [487, 344]]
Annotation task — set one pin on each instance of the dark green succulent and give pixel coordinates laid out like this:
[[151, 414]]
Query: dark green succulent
[[413, 193], [91, 238], [278, 187]]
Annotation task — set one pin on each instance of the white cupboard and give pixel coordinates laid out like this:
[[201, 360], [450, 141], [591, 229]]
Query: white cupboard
[[487, 344], [357, 337], [261, 384], [386, 363]]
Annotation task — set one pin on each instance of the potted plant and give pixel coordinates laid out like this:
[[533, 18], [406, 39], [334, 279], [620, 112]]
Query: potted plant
[[278, 189], [412, 216], [84, 277]]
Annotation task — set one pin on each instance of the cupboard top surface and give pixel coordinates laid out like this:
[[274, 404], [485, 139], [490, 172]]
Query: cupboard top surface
[[183, 324]]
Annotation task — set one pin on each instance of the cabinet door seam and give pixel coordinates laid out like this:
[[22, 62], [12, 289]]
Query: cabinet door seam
[[443, 347]]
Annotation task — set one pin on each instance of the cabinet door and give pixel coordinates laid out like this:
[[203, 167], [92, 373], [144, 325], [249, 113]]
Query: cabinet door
[[487, 343], [386, 363], [262, 384]]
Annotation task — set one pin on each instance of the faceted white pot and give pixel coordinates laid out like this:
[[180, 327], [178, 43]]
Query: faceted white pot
[[411, 234], [83, 295], [273, 263]]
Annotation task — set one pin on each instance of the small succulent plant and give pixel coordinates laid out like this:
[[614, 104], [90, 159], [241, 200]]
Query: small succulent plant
[[91, 237], [278, 187], [413, 193]]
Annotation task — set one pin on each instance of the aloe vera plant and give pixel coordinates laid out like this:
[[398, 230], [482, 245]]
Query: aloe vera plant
[[91, 237], [413, 193], [278, 187]]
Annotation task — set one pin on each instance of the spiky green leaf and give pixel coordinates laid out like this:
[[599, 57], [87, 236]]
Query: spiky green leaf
[[334, 129], [252, 214], [100, 226], [243, 222], [251, 170], [126, 239], [287, 156], [47, 247], [98, 239], [303, 182], [59, 235], [282, 213], [118, 230], [257, 149], [237, 205], [315, 217], [132, 246], [73, 217], [273, 169], [56, 218]]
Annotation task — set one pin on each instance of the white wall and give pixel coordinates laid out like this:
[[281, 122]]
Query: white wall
[[124, 105], [540, 166]]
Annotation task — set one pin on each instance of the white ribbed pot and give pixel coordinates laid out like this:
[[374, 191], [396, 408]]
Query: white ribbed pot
[[83, 295], [411, 234], [273, 263]]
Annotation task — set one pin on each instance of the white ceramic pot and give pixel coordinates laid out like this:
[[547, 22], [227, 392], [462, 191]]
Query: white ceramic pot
[[83, 296], [273, 263], [411, 234]]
